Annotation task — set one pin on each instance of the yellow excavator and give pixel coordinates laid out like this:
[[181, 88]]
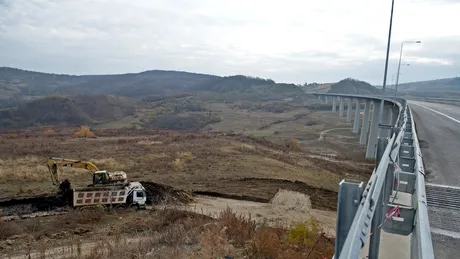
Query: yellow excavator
[[100, 177]]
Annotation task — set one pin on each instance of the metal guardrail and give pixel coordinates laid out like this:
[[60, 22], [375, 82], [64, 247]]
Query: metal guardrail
[[422, 245], [393, 199]]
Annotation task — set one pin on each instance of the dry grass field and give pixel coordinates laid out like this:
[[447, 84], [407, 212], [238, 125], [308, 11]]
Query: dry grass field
[[189, 161], [248, 157], [161, 234]]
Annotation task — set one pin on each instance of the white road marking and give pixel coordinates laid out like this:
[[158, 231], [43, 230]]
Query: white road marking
[[445, 232], [442, 185], [440, 113]]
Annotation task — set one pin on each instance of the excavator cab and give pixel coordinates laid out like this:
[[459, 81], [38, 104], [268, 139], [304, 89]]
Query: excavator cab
[[99, 177], [104, 178]]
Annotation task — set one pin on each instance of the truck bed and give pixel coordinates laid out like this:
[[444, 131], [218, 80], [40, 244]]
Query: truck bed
[[99, 196]]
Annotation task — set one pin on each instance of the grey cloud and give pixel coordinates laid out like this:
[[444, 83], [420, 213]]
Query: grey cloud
[[79, 37], [445, 47]]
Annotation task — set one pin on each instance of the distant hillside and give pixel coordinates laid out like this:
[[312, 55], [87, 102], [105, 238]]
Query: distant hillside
[[353, 86], [17, 86], [69, 111], [447, 87], [21, 82], [17, 83], [138, 85], [317, 88], [237, 83]]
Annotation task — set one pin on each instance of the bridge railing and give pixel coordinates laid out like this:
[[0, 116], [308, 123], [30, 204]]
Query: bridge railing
[[421, 243], [394, 198]]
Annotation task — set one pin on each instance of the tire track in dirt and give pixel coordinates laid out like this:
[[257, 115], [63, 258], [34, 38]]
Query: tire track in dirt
[[321, 134]]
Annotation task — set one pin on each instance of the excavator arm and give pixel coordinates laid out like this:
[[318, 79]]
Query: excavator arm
[[54, 162]]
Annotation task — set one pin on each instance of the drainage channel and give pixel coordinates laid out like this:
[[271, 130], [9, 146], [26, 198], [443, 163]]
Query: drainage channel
[[443, 207]]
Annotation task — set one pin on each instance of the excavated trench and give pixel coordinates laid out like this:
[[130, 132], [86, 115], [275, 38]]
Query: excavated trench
[[164, 194], [156, 194], [26, 205]]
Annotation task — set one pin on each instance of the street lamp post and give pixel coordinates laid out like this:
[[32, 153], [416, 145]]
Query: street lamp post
[[386, 70], [374, 242], [393, 81], [399, 64]]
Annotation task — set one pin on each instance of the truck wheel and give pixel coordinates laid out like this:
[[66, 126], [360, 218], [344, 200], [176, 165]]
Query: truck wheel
[[120, 207], [134, 207]]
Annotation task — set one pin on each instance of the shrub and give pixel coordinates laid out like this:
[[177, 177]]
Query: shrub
[[48, 131], [214, 244], [305, 234], [293, 145], [12, 135], [238, 228], [266, 243], [84, 132], [181, 159]]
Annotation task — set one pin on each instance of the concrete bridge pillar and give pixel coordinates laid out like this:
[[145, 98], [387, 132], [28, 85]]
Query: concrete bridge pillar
[[373, 135], [386, 120], [357, 116], [365, 127], [334, 105], [349, 110], [326, 99], [391, 121], [319, 98], [394, 115], [341, 107]]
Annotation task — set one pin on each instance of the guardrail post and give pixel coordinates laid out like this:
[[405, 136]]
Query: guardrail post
[[341, 107], [373, 135], [349, 110], [347, 205], [334, 105], [374, 244], [365, 127], [357, 117]]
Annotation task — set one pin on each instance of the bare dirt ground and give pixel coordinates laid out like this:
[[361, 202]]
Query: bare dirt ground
[[286, 208]]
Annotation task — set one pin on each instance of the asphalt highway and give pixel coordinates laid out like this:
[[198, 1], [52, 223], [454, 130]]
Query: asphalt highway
[[438, 130]]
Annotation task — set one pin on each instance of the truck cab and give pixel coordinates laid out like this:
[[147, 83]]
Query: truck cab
[[137, 197], [140, 198]]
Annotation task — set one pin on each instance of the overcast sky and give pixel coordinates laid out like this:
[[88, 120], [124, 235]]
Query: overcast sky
[[288, 41]]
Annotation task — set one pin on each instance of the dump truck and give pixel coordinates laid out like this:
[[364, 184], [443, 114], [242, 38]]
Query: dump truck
[[108, 188], [130, 195]]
